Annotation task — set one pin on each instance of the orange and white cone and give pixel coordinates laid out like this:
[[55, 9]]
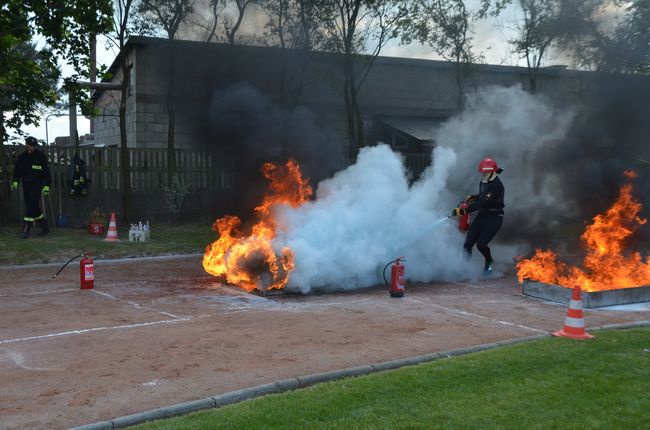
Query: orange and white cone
[[111, 236], [574, 324]]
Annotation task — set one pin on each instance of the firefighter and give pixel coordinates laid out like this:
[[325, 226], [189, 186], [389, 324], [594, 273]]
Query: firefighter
[[31, 167], [489, 204]]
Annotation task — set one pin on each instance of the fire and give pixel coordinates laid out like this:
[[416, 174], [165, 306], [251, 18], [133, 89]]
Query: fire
[[249, 260], [607, 265]]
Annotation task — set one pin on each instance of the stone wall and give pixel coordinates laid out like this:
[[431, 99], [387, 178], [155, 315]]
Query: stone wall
[[107, 122]]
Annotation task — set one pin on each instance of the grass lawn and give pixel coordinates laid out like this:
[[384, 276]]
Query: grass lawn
[[62, 244], [603, 383]]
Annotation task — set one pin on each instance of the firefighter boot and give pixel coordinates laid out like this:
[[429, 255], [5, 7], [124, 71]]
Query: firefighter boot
[[27, 227], [489, 267], [45, 229]]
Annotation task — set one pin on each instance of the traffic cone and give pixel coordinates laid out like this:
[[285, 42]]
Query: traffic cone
[[111, 236], [574, 324]]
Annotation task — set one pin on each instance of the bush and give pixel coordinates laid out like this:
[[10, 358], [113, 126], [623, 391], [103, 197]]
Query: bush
[[97, 217], [174, 196]]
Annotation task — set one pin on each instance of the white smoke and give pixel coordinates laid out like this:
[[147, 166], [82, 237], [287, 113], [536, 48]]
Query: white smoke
[[367, 215]]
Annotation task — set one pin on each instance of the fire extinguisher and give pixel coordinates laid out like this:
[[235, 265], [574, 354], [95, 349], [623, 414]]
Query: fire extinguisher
[[397, 277], [86, 271], [463, 220]]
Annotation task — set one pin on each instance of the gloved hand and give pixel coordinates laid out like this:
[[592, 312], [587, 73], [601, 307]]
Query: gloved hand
[[458, 212], [46, 190], [14, 185], [471, 198]]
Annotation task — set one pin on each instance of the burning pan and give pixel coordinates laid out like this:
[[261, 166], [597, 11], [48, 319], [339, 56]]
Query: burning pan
[[596, 299]]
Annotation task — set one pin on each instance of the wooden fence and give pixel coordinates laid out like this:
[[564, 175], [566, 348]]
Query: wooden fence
[[200, 169], [210, 175]]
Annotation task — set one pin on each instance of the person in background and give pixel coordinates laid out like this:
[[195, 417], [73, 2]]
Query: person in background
[[489, 204], [32, 169]]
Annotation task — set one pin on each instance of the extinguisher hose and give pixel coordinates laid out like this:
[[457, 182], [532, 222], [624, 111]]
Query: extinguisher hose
[[386, 267], [66, 265]]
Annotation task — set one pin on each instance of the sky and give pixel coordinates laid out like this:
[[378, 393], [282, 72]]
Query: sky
[[490, 40]]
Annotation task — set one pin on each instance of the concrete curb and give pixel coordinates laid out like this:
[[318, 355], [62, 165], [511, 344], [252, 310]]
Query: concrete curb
[[288, 385], [644, 323], [107, 261], [308, 380]]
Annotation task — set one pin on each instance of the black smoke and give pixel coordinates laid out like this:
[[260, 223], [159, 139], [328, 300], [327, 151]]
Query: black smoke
[[259, 130]]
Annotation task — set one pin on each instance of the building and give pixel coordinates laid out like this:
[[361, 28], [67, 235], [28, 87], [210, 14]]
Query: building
[[402, 100]]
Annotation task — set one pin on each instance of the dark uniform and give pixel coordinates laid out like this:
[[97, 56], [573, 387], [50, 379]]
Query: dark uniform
[[34, 172], [489, 204]]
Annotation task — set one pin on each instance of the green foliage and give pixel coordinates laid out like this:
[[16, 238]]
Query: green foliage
[[28, 77], [165, 15], [628, 50], [549, 384], [174, 196], [443, 25], [28, 74]]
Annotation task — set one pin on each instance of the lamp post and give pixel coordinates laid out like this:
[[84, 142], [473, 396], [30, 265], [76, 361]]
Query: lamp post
[[47, 118]]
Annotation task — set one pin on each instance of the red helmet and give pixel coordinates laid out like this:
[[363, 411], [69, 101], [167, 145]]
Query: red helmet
[[487, 165]]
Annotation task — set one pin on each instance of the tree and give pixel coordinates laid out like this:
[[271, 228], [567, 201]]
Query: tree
[[446, 27], [627, 50], [122, 22], [28, 74], [546, 23], [295, 25], [207, 15], [168, 16], [231, 27], [361, 26]]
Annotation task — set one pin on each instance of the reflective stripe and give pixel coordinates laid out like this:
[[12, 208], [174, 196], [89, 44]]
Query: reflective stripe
[[574, 322], [575, 304], [28, 219], [37, 167], [41, 216]]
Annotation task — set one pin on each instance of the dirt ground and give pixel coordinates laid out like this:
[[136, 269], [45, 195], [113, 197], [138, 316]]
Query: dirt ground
[[158, 332]]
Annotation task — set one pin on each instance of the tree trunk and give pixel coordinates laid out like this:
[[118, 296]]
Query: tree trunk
[[532, 80], [4, 175], [125, 163], [171, 116], [352, 109]]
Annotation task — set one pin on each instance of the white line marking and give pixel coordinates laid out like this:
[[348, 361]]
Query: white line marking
[[139, 306], [230, 313], [105, 294], [470, 314], [40, 292], [89, 330], [172, 315]]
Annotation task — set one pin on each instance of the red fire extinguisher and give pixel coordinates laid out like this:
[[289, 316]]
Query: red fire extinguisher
[[463, 220], [397, 277], [86, 271]]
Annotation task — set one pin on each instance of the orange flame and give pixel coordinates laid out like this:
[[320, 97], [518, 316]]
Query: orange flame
[[249, 261], [606, 265]]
